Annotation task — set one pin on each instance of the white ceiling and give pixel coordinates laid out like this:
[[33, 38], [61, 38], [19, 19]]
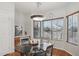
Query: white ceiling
[[31, 7], [47, 9]]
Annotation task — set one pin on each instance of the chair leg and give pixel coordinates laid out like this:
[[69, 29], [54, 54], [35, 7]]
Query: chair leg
[[45, 53]]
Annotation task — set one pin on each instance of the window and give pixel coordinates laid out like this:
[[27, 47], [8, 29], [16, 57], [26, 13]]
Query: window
[[54, 29], [73, 29], [47, 29], [57, 29], [37, 29]]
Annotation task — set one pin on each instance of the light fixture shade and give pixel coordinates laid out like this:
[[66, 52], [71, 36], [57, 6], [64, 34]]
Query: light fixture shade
[[37, 17]]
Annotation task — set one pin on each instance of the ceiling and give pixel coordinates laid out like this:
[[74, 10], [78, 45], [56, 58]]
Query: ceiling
[[31, 7], [45, 8]]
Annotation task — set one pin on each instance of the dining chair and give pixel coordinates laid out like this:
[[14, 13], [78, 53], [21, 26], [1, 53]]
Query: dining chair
[[49, 50], [39, 52], [27, 50]]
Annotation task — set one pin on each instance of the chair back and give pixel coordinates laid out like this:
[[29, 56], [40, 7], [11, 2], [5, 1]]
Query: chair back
[[40, 52], [49, 50]]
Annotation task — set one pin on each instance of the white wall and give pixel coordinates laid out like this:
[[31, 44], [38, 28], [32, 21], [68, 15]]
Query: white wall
[[29, 25], [6, 28], [20, 20], [23, 20]]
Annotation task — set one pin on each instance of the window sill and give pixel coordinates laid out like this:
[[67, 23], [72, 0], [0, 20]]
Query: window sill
[[72, 43]]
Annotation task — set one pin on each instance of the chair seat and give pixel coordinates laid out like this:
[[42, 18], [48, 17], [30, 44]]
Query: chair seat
[[39, 52]]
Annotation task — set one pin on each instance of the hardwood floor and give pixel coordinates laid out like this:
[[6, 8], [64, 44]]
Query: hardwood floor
[[59, 52], [13, 54], [55, 51]]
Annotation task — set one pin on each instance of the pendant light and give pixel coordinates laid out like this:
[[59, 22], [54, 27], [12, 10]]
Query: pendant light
[[37, 17]]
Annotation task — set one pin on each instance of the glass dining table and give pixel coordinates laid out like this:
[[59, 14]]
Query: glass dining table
[[25, 49]]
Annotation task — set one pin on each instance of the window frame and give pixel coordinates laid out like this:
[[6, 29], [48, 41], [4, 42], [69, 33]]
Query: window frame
[[42, 25], [67, 28], [56, 19], [33, 29]]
